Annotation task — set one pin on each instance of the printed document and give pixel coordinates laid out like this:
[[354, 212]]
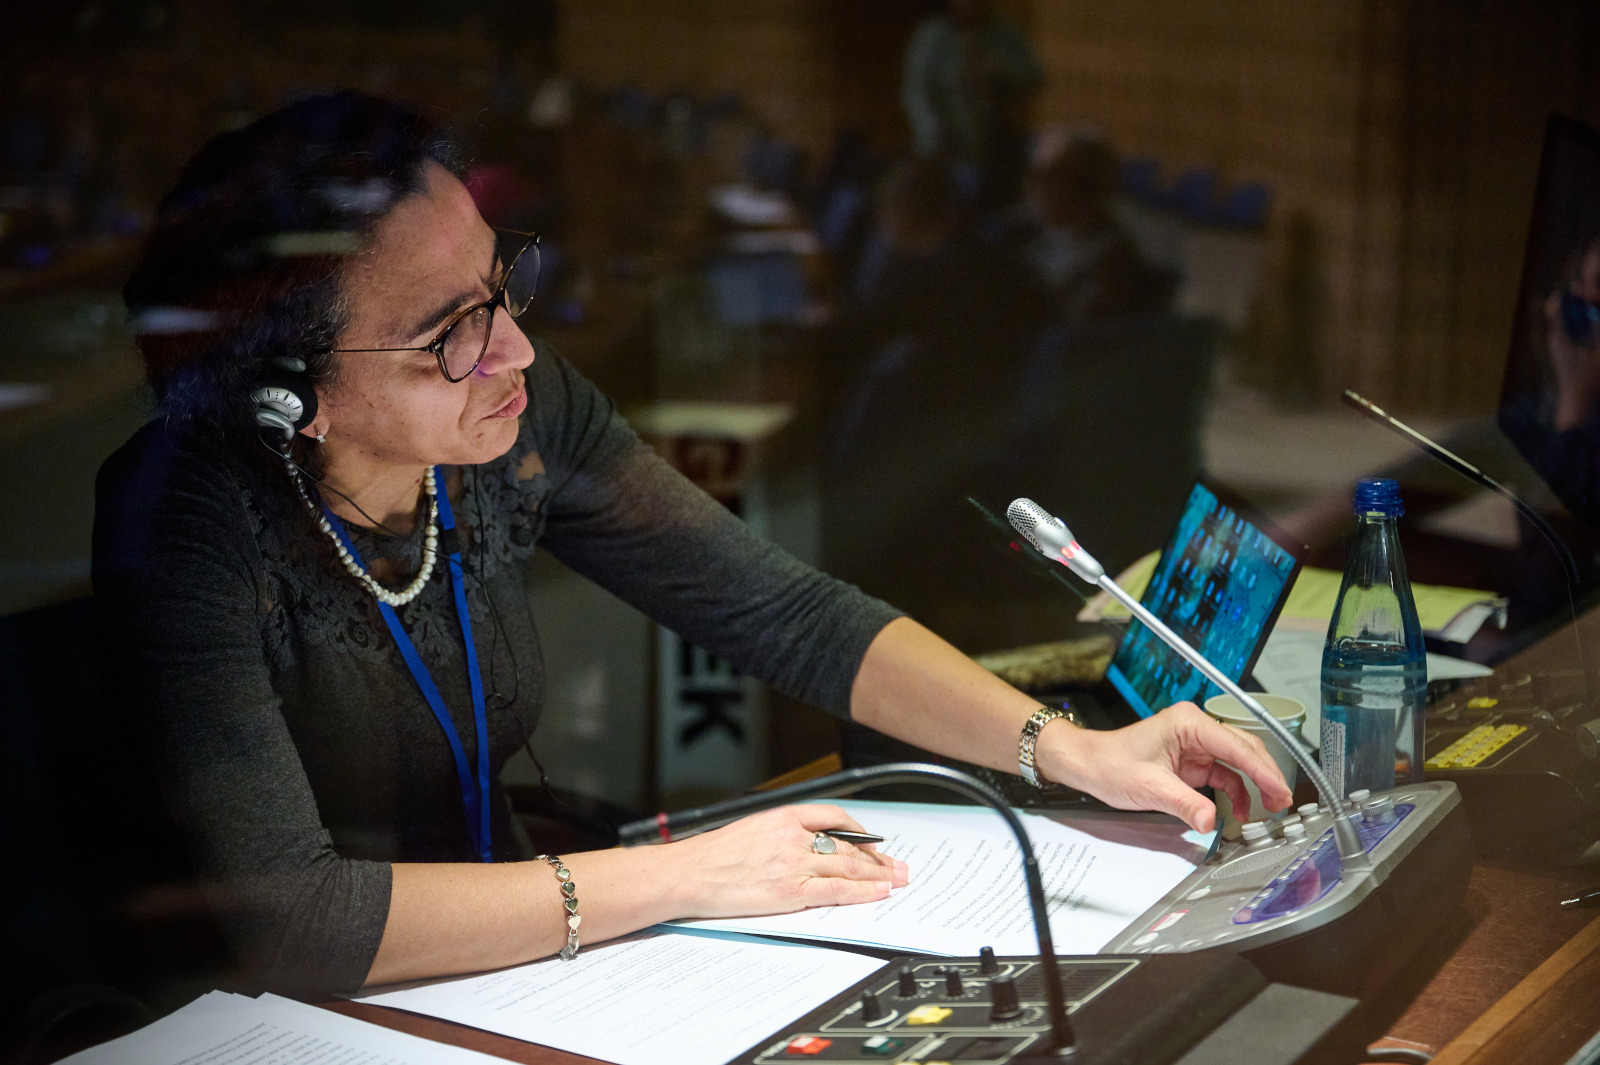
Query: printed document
[[223, 1029], [662, 997], [967, 889]]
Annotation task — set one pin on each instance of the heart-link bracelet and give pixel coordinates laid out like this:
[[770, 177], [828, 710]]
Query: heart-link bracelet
[[569, 900]]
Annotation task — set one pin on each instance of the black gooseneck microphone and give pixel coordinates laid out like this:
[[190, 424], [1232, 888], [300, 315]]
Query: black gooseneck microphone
[[1443, 455], [847, 782], [1450, 459]]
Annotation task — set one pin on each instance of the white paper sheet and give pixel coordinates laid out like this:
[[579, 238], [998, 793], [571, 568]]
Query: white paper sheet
[[663, 997], [967, 889], [224, 1029], [1291, 664]]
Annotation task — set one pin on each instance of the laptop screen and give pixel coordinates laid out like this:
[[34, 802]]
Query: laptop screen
[[1219, 584]]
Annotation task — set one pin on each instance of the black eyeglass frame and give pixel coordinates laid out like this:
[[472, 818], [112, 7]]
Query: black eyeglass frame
[[495, 300]]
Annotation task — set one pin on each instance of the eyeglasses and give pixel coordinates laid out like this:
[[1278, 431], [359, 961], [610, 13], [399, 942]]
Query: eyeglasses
[[462, 342]]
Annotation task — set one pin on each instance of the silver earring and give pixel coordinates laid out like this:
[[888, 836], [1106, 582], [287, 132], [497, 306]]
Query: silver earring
[[321, 439]]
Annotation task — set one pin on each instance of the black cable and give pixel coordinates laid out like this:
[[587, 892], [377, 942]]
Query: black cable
[[499, 636], [507, 703], [314, 479]]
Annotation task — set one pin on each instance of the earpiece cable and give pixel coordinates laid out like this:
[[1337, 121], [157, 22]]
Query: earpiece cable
[[308, 475]]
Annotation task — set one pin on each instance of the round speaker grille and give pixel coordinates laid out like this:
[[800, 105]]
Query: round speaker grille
[[1250, 863]]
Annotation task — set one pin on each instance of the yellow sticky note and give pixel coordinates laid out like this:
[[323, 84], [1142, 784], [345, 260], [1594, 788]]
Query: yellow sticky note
[[928, 1014], [1312, 597]]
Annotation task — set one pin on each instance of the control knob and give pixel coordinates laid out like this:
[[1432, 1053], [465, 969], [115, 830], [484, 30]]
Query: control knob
[[987, 963], [908, 983], [1003, 999], [871, 1008], [952, 982]]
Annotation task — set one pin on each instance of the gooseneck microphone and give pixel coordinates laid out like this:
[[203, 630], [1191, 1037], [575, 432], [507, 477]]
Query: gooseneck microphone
[[664, 826], [1451, 460], [1054, 540]]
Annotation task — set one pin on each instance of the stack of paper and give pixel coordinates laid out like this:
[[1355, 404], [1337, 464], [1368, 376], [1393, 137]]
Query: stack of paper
[[657, 998], [224, 1029], [967, 891]]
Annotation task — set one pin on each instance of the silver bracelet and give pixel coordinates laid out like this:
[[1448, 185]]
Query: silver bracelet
[[569, 899], [1028, 744]]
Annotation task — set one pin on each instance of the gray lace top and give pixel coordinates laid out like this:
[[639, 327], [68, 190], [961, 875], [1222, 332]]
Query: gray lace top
[[291, 741]]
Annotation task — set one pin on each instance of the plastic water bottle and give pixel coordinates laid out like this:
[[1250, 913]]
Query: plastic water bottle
[[1374, 668]]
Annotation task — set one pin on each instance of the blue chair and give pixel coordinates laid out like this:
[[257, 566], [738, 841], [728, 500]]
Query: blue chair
[[1245, 207], [841, 215], [631, 106], [1141, 178], [1193, 194]]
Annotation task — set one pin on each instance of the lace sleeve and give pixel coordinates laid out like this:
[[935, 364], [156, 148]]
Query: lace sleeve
[[178, 585]]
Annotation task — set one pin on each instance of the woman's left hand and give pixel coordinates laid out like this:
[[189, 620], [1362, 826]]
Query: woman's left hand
[[1157, 763]]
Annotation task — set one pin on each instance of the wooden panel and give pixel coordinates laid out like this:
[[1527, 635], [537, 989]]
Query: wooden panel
[[1510, 924], [775, 53], [1545, 1019], [1401, 140]]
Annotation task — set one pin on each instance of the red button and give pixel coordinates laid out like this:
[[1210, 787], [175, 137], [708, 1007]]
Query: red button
[[808, 1044]]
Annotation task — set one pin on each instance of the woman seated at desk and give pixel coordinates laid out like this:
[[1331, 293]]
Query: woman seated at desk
[[328, 698]]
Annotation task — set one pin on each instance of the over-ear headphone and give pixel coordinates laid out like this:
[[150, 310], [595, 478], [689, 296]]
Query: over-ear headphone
[[284, 398]]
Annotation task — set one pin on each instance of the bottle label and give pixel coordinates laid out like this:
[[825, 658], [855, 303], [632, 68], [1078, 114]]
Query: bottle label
[[1333, 738]]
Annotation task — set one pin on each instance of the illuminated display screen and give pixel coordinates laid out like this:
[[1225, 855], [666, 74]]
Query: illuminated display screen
[[1219, 585]]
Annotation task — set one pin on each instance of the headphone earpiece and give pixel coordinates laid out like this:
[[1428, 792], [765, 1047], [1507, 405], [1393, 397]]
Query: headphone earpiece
[[284, 398]]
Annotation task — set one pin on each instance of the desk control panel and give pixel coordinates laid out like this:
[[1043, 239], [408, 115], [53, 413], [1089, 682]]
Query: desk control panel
[[990, 1010], [1481, 746], [1280, 898], [1524, 748], [954, 1009]]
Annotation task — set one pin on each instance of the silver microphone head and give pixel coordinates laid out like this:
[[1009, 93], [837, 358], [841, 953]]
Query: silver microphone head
[[1051, 536]]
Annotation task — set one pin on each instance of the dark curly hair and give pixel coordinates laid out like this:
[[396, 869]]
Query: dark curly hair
[[245, 259]]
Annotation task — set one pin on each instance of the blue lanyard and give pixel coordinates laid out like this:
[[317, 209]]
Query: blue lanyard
[[474, 799]]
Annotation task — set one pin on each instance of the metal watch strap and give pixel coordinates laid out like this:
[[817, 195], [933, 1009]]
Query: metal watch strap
[[1028, 744], [569, 901]]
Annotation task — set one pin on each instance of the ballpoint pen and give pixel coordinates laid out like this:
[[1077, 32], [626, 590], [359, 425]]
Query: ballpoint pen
[[845, 835]]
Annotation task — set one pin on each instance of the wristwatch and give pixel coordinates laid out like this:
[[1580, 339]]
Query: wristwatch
[[1030, 739]]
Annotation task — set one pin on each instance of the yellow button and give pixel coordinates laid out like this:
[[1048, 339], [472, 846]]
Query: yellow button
[[928, 1014]]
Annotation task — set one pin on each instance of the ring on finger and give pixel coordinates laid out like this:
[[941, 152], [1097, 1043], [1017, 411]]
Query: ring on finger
[[822, 843]]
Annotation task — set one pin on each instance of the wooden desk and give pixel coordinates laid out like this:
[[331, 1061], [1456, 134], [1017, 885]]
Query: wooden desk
[[1488, 968], [1475, 996], [1514, 981]]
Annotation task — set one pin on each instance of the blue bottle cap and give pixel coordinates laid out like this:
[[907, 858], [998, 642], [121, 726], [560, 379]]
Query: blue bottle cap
[[1381, 495]]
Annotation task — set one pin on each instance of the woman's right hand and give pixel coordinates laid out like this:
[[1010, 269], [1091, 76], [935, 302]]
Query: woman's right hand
[[764, 864]]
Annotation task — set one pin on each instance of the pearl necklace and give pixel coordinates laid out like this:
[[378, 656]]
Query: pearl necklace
[[430, 543]]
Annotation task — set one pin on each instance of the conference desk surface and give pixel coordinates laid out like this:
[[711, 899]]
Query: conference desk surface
[[1515, 979]]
